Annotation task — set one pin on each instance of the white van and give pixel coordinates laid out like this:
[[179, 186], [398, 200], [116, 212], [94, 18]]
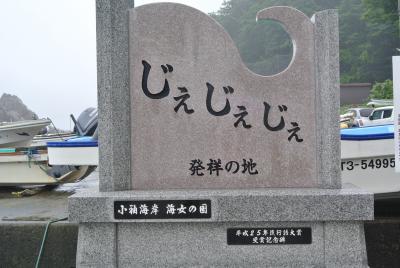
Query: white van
[[380, 116]]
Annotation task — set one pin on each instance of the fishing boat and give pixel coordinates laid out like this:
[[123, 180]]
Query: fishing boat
[[29, 166], [27, 162], [75, 151], [368, 159], [20, 133], [81, 150]]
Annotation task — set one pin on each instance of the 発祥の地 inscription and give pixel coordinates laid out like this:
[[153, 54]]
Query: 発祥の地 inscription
[[215, 166]]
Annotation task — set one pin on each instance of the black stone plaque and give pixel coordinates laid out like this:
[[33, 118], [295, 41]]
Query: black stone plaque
[[269, 236], [162, 209]]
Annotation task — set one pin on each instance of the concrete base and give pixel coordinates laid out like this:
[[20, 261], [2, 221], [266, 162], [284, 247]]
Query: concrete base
[[204, 245], [382, 237], [20, 244], [335, 217]]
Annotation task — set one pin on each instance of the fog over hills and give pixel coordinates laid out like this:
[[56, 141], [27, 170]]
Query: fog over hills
[[13, 109]]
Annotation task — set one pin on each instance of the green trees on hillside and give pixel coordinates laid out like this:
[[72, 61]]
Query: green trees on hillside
[[383, 90], [369, 35]]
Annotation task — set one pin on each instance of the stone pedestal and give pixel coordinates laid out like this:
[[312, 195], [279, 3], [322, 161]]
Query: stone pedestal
[[178, 109], [334, 216]]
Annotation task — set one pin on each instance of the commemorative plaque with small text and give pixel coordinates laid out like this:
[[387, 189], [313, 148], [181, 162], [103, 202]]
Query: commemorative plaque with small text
[[269, 236], [162, 209]]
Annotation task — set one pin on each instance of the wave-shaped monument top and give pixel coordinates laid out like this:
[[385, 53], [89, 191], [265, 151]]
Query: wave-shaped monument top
[[201, 119]]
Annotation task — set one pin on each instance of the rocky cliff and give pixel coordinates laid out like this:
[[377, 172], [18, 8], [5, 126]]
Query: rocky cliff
[[13, 109]]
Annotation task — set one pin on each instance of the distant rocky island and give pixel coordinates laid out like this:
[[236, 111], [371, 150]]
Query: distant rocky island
[[13, 109]]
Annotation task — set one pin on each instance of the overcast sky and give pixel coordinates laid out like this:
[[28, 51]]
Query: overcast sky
[[48, 53]]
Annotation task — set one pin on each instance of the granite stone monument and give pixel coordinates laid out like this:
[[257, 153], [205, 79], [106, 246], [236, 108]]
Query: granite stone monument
[[205, 163]]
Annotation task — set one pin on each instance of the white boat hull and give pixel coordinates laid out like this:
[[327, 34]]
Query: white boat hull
[[22, 168], [370, 165], [20, 134], [20, 173], [75, 156]]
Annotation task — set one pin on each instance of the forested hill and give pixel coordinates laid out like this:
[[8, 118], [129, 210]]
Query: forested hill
[[369, 35]]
